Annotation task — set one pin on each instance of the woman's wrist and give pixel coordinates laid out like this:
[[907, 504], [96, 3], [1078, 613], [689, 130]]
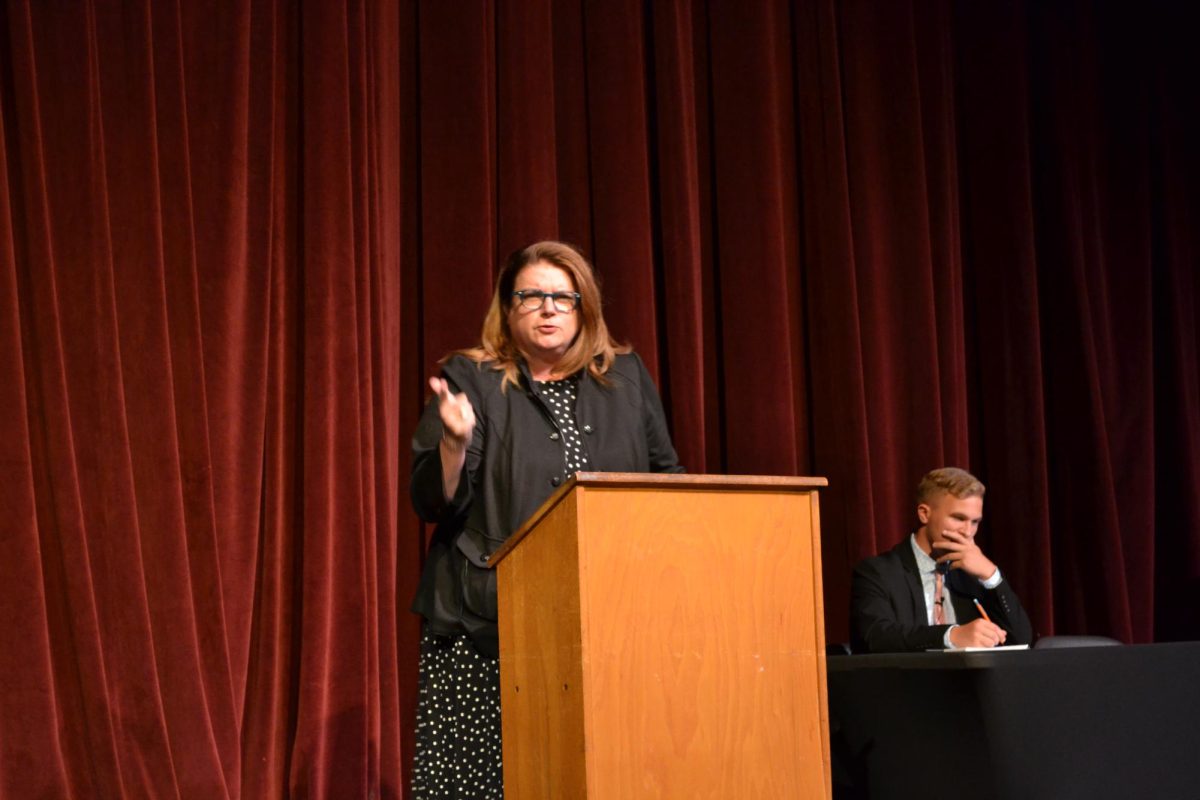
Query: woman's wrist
[[454, 445]]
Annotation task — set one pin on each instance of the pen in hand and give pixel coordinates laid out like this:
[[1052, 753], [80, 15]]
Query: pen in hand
[[982, 613]]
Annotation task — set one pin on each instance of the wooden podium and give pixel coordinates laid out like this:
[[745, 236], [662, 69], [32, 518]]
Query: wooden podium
[[661, 636]]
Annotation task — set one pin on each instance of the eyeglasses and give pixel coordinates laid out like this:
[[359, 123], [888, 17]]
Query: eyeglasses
[[533, 299]]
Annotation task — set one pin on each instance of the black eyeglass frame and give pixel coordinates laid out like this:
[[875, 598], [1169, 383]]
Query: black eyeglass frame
[[541, 296]]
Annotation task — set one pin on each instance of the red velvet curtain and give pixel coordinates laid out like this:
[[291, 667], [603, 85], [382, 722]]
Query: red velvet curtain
[[851, 239]]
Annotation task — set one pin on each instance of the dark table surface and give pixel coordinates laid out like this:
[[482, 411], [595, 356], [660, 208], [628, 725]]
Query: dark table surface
[[1095, 722]]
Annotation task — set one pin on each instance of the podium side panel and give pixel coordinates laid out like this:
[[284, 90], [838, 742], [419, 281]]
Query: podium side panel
[[819, 623], [704, 645], [541, 697]]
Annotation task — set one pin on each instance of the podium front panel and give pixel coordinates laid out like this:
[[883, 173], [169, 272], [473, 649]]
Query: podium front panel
[[695, 619]]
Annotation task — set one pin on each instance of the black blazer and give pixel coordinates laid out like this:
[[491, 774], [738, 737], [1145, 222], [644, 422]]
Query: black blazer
[[888, 613], [514, 462]]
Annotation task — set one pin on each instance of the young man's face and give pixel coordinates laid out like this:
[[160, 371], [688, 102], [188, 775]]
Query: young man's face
[[945, 512]]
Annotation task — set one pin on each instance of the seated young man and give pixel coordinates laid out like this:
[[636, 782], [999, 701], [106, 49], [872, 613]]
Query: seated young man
[[922, 594]]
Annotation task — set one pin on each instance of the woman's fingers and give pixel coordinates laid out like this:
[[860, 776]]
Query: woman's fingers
[[458, 418]]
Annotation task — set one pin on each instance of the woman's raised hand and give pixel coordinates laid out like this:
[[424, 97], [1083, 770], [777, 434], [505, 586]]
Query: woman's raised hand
[[458, 418]]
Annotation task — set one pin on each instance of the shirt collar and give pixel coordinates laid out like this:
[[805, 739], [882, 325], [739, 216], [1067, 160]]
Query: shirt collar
[[925, 562]]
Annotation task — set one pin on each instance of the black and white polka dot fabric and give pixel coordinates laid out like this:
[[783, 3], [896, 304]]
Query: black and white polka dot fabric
[[560, 397], [458, 722]]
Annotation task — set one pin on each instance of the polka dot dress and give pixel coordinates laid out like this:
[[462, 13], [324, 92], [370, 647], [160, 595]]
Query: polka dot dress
[[458, 701], [458, 721], [560, 397]]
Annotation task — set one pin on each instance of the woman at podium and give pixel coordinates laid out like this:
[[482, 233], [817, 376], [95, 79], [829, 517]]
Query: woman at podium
[[546, 393]]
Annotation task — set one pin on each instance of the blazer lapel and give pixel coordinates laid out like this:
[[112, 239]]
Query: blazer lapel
[[912, 579]]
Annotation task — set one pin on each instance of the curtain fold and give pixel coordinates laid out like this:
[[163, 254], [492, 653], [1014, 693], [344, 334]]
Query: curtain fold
[[755, 228], [849, 239]]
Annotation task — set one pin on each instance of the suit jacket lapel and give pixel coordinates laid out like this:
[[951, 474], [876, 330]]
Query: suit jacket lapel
[[912, 579]]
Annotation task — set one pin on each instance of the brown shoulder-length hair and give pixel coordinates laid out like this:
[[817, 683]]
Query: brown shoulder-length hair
[[593, 348]]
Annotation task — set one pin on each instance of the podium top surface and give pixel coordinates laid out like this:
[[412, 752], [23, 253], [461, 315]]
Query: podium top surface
[[660, 481], [663, 480]]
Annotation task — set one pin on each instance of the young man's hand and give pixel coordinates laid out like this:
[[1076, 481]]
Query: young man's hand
[[978, 633], [960, 550]]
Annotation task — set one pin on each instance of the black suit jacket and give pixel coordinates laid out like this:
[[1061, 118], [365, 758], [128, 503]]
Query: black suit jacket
[[888, 613], [514, 462]]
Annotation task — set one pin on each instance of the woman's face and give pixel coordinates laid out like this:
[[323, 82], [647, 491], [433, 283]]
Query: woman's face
[[542, 334]]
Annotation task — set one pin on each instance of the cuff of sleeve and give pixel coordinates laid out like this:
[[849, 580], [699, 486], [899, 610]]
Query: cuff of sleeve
[[994, 581], [946, 639]]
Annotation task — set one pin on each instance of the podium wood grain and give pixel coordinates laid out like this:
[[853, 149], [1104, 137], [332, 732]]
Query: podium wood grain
[[665, 641]]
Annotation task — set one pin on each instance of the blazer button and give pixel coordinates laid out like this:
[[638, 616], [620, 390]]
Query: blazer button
[[587, 429], [484, 558], [555, 481], [554, 436]]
